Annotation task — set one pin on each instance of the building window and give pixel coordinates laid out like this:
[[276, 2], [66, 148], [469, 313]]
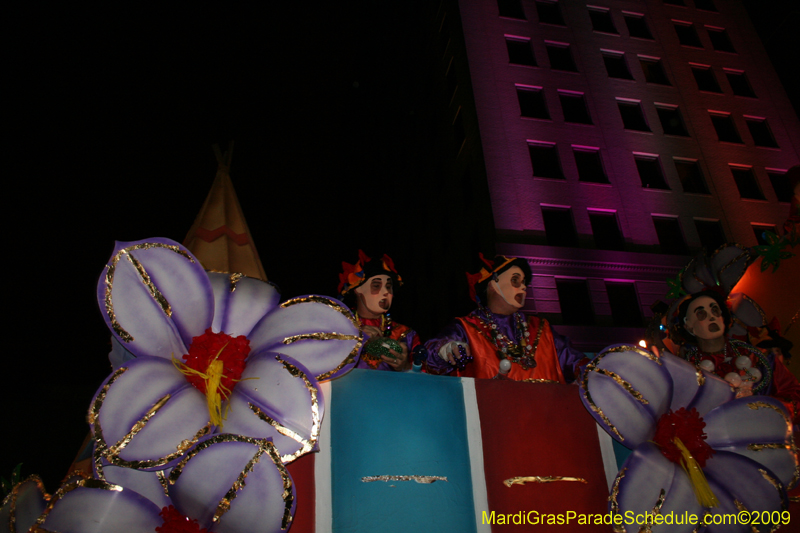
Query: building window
[[559, 226], [759, 230], [549, 13], [739, 83], [687, 35], [560, 57], [531, 102], [746, 183], [706, 81], [691, 176], [671, 120], [637, 26], [653, 70], [624, 303], [520, 52], [511, 9], [602, 21], [705, 5], [616, 66], [574, 107], [720, 40], [759, 129], [710, 233], [781, 185], [576, 306], [632, 115], [545, 162], [726, 129], [649, 167], [590, 166], [605, 229], [670, 236]]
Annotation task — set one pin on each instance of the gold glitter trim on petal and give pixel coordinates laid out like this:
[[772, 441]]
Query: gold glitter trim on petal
[[772, 481], [763, 405], [741, 508], [109, 281], [351, 357], [151, 288], [701, 378], [234, 279], [769, 446], [162, 478], [263, 446], [612, 497], [635, 349], [138, 426], [418, 479], [10, 501], [521, 480], [624, 384], [321, 336], [316, 419], [648, 525], [584, 384]]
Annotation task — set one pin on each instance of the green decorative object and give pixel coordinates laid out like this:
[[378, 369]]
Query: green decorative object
[[379, 346], [675, 286], [772, 252]]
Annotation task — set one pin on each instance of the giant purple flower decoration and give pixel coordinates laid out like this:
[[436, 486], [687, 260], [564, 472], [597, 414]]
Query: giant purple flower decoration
[[159, 303], [632, 392]]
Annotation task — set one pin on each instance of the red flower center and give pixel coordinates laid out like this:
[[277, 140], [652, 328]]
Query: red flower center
[[175, 522], [687, 428], [219, 349]]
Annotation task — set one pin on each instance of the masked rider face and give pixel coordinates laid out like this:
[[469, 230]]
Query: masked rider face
[[704, 319], [374, 297], [508, 292]]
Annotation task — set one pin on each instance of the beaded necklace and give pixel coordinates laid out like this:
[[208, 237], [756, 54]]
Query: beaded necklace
[[386, 323], [695, 355], [523, 353]]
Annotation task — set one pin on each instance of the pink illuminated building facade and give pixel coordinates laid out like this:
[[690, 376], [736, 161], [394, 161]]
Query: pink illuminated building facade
[[617, 138]]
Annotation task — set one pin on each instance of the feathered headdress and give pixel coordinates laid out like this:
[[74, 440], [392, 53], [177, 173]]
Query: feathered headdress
[[355, 275]]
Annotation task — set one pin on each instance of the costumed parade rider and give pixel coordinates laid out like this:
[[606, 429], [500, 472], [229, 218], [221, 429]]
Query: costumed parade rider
[[497, 339], [703, 320], [367, 287]]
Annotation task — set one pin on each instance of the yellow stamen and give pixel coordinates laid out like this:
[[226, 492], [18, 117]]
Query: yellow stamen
[[213, 378], [702, 490]]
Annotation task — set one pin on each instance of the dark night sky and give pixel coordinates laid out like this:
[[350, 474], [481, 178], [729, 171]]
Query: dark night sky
[[110, 116]]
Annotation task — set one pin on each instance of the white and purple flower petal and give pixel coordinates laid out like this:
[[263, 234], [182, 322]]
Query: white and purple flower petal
[[317, 331], [240, 302], [95, 506], [626, 389], [757, 427], [234, 484], [695, 388], [155, 297], [23, 505], [277, 398], [151, 485], [145, 415]]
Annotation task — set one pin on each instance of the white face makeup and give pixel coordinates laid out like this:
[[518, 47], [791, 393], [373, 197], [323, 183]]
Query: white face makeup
[[704, 319], [509, 288], [374, 297]]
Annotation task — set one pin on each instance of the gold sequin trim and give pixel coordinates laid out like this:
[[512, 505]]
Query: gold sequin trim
[[763, 405], [701, 378], [151, 288], [418, 479], [162, 478], [648, 525], [769, 446], [263, 446], [585, 386], [351, 357], [772, 481], [138, 426], [10, 501], [321, 336], [624, 384], [521, 480], [635, 349], [612, 497], [316, 419], [741, 508], [234, 279], [109, 281]]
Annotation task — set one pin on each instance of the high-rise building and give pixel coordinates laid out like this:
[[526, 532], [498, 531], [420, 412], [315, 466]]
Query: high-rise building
[[617, 138]]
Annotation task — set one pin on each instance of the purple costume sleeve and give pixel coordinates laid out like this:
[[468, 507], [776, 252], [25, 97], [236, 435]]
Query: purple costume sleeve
[[452, 332], [569, 358]]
